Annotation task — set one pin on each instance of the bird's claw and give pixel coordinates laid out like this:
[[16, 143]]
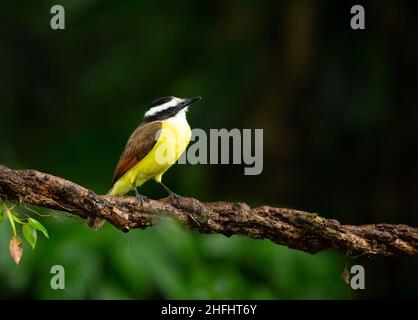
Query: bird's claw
[[141, 199], [175, 198]]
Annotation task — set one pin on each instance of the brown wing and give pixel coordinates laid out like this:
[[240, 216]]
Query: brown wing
[[140, 143]]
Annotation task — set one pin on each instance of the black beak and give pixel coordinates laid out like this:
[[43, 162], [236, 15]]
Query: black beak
[[188, 101]]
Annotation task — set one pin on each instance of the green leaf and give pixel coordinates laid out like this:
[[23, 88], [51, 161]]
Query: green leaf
[[38, 226], [30, 234], [1, 214], [15, 218]]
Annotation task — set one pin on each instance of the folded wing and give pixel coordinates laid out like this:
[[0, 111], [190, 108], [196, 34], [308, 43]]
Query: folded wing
[[140, 143]]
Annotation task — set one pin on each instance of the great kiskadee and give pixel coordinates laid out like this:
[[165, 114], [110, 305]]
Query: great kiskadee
[[154, 146]]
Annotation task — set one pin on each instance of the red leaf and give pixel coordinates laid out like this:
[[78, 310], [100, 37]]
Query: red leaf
[[16, 249]]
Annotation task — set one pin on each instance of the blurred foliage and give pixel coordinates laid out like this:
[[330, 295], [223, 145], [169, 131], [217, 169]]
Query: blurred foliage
[[339, 113], [168, 262]]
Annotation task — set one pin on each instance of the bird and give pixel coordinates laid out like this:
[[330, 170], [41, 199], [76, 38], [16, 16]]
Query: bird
[[154, 146]]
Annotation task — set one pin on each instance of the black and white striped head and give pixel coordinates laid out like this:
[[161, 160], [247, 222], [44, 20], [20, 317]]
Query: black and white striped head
[[168, 107]]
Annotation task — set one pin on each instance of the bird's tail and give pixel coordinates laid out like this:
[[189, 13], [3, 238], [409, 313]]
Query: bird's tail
[[119, 188], [114, 191], [111, 191]]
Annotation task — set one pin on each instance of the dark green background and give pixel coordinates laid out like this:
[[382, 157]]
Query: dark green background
[[339, 109]]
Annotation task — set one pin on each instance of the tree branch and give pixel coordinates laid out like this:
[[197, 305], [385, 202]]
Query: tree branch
[[296, 229]]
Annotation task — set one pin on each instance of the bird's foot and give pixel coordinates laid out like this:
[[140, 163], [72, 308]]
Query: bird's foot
[[175, 198], [141, 198]]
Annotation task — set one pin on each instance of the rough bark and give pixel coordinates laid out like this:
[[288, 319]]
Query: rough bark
[[294, 228]]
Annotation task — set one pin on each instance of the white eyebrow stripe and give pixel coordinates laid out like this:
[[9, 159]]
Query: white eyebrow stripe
[[164, 106]]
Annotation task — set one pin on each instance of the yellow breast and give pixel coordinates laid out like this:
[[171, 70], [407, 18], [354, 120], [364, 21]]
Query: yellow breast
[[174, 138]]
